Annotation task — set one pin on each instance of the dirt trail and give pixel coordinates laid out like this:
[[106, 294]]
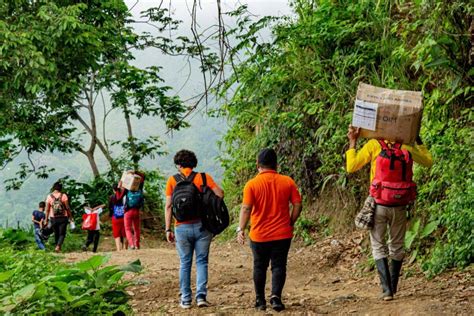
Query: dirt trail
[[322, 279]]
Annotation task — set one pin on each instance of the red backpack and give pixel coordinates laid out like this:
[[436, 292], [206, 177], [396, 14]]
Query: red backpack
[[393, 184]]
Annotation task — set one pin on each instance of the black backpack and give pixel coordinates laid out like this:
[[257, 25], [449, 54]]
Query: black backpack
[[214, 215], [186, 198]]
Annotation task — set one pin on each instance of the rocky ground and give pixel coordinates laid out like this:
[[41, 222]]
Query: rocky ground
[[328, 277]]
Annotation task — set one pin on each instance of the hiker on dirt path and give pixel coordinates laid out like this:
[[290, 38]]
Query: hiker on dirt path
[[116, 213], [38, 218], [93, 235], [183, 202], [388, 162], [58, 213], [134, 202], [266, 202]]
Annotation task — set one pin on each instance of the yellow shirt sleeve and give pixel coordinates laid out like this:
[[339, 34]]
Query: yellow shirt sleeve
[[356, 160], [420, 154]]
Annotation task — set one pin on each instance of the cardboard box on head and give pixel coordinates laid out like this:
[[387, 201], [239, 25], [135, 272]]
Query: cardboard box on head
[[394, 115], [130, 181]]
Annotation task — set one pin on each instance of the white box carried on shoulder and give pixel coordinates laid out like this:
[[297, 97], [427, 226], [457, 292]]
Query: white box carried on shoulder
[[394, 115], [130, 181]]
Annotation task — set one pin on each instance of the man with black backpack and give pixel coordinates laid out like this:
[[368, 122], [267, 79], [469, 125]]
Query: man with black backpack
[[392, 189], [184, 202]]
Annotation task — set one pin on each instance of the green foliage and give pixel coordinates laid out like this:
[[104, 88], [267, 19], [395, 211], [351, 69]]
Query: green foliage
[[154, 188], [16, 238], [415, 236], [306, 228], [67, 66], [93, 193], [295, 94], [36, 282]]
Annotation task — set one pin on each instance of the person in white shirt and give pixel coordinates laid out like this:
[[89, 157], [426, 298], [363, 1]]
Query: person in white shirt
[[93, 235]]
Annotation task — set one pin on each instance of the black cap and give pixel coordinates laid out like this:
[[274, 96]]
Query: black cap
[[267, 157]]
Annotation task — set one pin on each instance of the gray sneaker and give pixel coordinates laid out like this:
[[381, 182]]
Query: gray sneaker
[[202, 302], [185, 305]]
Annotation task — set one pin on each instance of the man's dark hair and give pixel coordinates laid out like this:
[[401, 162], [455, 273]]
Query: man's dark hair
[[115, 187], [267, 158], [57, 186], [42, 204], [185, 159]]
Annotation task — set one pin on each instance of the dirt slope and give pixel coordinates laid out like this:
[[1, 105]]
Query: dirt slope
[[322, 279]]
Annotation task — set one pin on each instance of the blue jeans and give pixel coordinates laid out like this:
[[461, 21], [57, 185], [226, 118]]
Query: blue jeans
[[38, 240], [192, 238]]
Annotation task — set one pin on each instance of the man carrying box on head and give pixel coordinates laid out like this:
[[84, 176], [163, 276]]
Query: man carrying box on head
[[134, 203], [392, 188]]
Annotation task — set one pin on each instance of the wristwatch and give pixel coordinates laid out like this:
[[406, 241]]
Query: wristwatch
[[238, 230], [168, 231]]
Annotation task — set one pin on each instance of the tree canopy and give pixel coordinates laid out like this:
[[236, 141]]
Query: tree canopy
[[68, 65]]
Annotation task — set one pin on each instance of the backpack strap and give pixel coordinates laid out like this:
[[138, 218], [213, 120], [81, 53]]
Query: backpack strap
[[397, 146], [404, 170], [178, 177], [204, 179], [383, 144], [191, 177]]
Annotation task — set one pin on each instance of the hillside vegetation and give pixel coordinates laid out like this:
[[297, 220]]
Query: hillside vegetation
[[296, 94]]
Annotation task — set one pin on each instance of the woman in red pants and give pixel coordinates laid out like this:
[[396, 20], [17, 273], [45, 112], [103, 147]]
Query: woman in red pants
[[117, 212]]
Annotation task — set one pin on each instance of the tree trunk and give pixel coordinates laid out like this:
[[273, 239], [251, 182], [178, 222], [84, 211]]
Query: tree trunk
[[93, 164], [133, 147]]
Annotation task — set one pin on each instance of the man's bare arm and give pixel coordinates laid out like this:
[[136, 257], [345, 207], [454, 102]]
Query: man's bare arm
[[244, 217], [47, 213], [295, 213], [218, 191], [168, 213]]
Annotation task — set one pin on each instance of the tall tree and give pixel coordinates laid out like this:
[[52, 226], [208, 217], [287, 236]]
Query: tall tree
[[71, 56]]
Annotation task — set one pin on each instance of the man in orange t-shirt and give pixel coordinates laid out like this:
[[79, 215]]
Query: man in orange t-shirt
[[191, 237], [266, 202]]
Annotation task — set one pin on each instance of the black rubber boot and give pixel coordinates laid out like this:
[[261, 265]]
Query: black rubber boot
[[260, 304], [395, 268], [385, 280]]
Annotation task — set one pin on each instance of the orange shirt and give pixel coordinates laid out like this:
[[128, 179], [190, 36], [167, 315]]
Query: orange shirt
[[171, 184], [270, 194]]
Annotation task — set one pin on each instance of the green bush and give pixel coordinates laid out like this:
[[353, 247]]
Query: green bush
[[37, 282], [296, 95]]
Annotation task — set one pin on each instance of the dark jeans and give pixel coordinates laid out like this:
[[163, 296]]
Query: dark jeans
[[59, 225], [93, 237], [275, 252]]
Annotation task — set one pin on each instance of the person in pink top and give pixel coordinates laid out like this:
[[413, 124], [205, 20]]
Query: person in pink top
[[59, 213], [134, 202]]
